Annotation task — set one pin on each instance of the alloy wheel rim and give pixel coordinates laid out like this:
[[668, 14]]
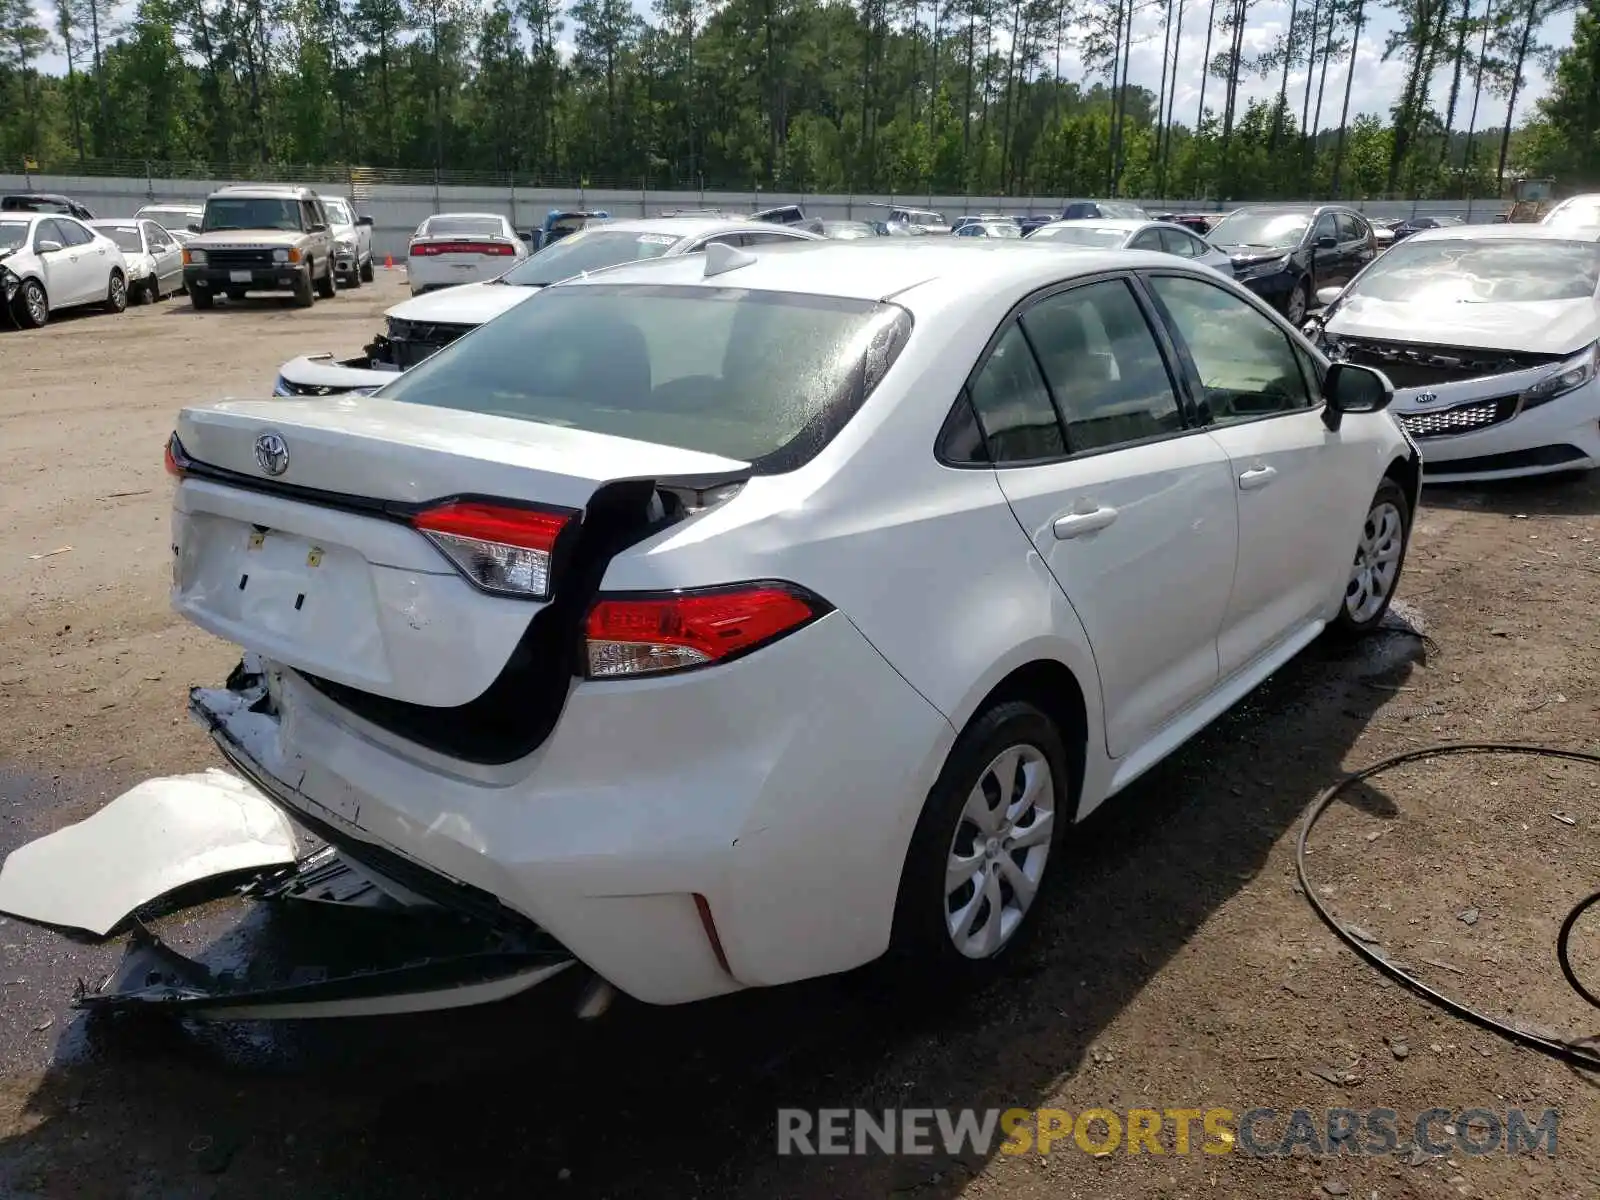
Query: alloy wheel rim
[[36, 307], [119, 292], [1297, 306], [998, 851], [1377, 564]]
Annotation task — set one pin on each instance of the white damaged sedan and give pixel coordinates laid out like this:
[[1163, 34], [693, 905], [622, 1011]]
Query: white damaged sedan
[[735, 618], [1491, 336]]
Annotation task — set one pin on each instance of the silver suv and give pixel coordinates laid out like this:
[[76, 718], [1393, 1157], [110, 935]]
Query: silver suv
[[261, 238]]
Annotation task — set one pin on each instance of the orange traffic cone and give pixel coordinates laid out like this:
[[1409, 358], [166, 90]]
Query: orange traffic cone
[[388, 262]]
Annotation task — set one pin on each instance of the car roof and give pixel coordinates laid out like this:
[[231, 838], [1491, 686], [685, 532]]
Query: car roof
[[483, 215], [881, 268], [1503, 233], [1307, 209], [265, 191], [1125, 224]]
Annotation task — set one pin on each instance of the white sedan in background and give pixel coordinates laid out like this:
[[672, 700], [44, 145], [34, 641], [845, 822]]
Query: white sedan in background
[[50, 262], [453, 248], [1129, 234], [607, 627], [1490, 334], [154, 257]]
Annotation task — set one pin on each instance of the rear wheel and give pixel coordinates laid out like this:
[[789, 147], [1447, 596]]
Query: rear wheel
[[354, 280], [328, 286], [304, 295], [201, 300], [117, 293], [141, 293], [978, 857], [1299, 301], [1380, 553], [31, 307]]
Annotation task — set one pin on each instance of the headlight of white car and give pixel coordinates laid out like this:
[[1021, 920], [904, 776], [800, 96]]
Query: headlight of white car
[[1568, 376]]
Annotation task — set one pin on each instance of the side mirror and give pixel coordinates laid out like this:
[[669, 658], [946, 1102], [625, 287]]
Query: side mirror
[[1327, 295], [193, 227], [49, 247], [1352, 388], [367, 221], [1327, 242]]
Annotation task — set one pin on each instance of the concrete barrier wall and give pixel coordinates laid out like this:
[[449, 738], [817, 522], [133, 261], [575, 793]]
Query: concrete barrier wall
[[397, 209]]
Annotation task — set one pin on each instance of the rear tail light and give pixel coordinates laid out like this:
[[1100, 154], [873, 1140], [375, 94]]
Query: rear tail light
[[428, 249], [500, 548], [175, 459], [651, 634]]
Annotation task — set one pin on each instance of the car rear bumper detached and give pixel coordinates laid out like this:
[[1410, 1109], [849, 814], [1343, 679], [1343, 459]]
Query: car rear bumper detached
[[684, 836], [1560, 435], [278, 278]]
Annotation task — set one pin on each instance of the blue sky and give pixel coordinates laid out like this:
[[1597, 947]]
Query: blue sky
[[1377, 83]]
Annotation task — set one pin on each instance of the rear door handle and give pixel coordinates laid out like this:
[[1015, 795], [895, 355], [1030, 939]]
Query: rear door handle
[[1076, 524], [1256, 477]]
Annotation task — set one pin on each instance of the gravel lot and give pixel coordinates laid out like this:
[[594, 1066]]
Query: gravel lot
[[1177, 967]]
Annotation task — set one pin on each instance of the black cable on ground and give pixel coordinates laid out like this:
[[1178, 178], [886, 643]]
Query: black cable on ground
[[1574, 1053]]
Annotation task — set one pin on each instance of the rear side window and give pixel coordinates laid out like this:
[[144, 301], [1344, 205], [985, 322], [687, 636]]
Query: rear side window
[[1175, 241], [1013, 404], [1352, 228], [764, 377]]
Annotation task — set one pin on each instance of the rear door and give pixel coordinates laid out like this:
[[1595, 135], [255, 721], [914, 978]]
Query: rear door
[[1132, 511], [62, 268], [1294, 479], [1355, 243], [169, 259]]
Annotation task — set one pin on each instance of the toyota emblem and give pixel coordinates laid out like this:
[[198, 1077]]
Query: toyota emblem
[[272, 455]]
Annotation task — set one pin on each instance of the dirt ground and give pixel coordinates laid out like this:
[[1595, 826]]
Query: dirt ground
[[1177, 965]]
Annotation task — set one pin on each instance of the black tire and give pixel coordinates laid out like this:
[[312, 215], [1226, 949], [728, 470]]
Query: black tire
[[922, 940], [328, 285], [1301, 292], [30, 308], [117, 293], [142, 293], [354, 281], [1352, 624], [304, 295], [366, 272], [201, 299]]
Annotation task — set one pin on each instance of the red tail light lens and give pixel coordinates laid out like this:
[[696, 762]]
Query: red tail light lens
[[425, 249], [647, 635], [174, 459], [500, 548]]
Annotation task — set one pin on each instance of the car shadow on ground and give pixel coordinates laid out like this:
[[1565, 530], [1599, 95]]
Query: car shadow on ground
[[662, 1102], [1576, 495]]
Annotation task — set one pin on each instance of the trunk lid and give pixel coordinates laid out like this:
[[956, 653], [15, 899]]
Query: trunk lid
[[319, 567]]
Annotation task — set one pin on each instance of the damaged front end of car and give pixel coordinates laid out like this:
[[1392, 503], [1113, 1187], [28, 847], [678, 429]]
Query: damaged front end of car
[[352, 929]]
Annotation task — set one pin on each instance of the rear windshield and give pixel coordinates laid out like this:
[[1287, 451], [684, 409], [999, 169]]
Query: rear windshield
[[13, 234], [764, 377], [1080, 235], [1493, 271], [589, 250], [125, 236], [458, 226], [239, 212]]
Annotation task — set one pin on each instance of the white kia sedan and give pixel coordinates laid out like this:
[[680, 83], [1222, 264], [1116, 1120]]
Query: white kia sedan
[[736, 618], [1490, 335], [1128, 234], [50, 262]]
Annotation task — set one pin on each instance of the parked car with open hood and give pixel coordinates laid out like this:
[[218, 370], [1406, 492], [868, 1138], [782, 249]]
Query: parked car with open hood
[[48, 263], [261, 238], [418, 327], [1286, 253], [1490, 335], [449, 249], [45, 202], [608, 627], [1134, 234], [153, 257]]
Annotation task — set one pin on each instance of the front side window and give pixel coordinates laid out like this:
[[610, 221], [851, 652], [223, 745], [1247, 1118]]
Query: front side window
[[762, 377], [1325, 227], [1013, 404], [1150, 239], [1103, 365], [46, 231], [340, 212], [72, 233], [1246, 363]]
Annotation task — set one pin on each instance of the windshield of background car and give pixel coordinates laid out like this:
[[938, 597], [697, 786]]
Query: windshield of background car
[[125, 236], [463, 226], [1079, 235], [1493, 271], [1268, 230], [339, 212], [589, 250], [763, 377], [238, 212], [13, 234], [1575, 215]]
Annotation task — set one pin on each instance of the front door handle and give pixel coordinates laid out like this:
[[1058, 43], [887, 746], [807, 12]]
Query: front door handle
[[1256, 477], [1076, 524]]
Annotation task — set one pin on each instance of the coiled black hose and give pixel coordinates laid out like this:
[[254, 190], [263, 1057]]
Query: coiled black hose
[[1571, 1052]]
